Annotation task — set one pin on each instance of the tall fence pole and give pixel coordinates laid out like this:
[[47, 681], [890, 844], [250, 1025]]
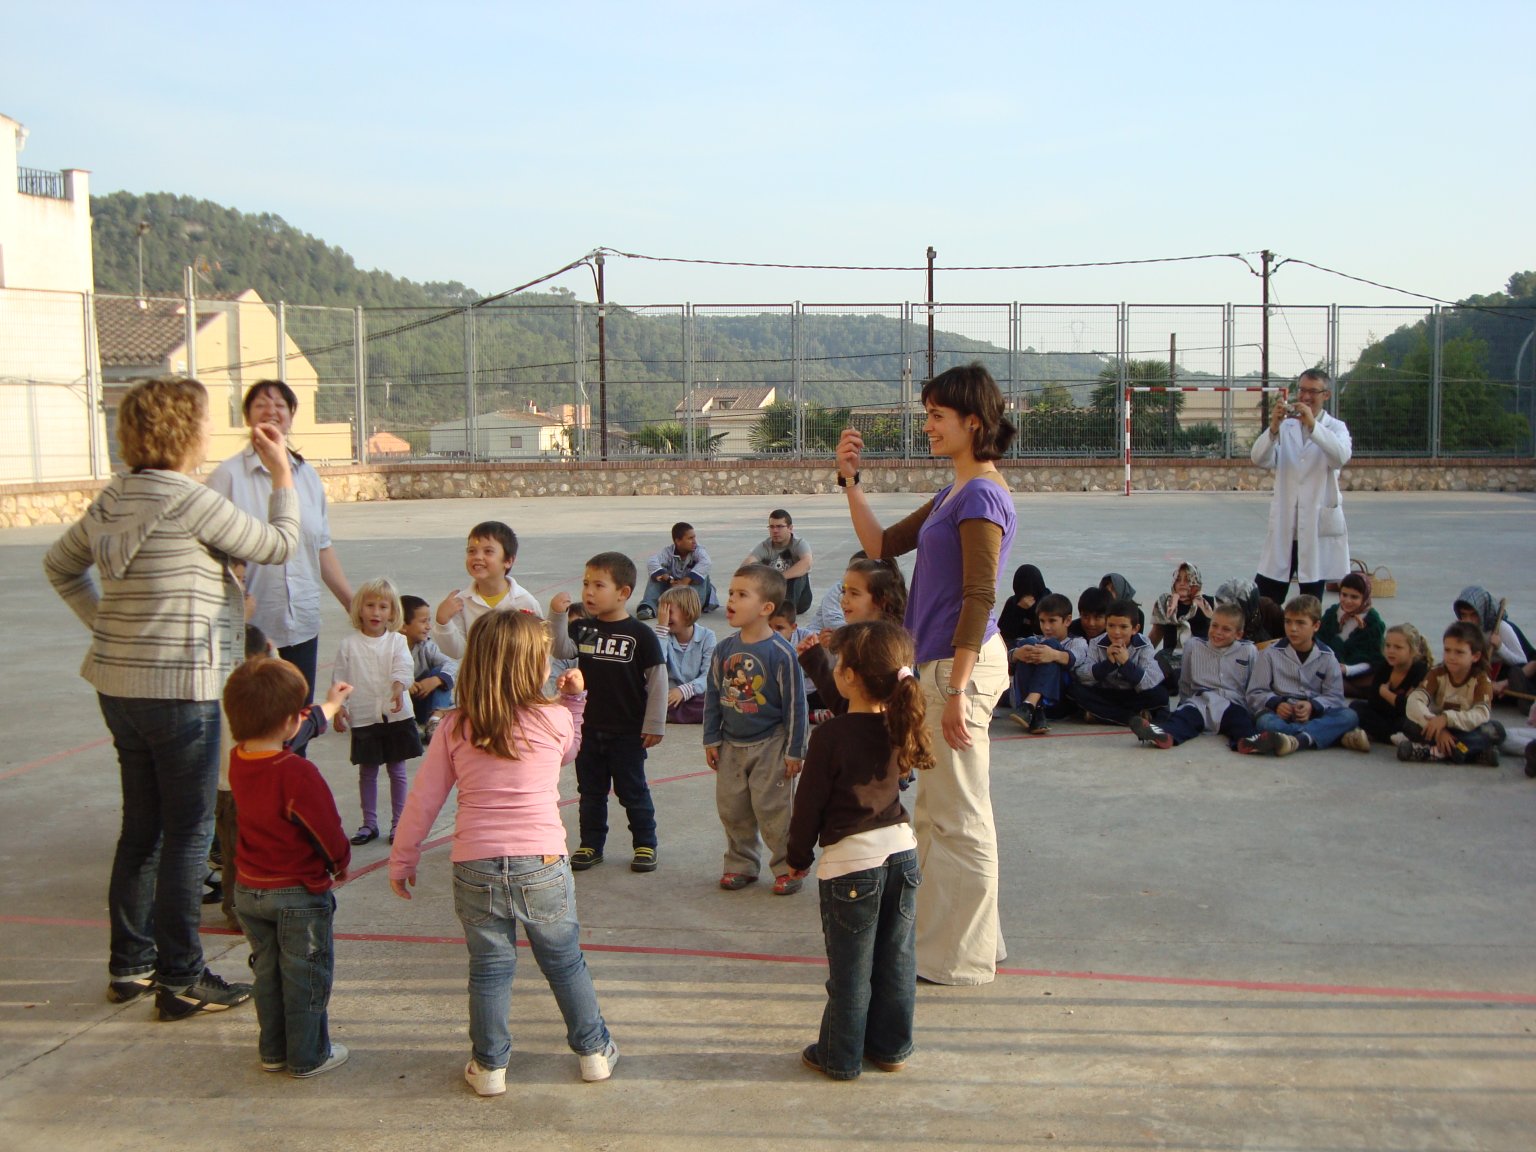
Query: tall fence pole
[[1228, 371], [359, 374], [1436, 382], [1122, 392], [470, 429], [797, 380], [282, 341], [579, 375], [189, 292], [690, 418], [1015, 341], [906, 380], [932, 252], [93, 404]]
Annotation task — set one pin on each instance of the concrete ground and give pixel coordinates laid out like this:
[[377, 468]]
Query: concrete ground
[[1328, 952]]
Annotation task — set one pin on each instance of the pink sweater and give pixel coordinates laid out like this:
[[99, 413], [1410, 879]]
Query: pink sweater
[[506, 807]]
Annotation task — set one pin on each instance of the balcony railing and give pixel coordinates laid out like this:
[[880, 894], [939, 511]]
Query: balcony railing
[[38, 182]]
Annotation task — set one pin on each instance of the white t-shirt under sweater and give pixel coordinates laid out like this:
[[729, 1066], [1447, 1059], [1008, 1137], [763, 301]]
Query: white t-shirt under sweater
[[373, 665], [451, 636]]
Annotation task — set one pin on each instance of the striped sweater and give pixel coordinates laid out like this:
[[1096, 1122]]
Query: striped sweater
[[166, 611]]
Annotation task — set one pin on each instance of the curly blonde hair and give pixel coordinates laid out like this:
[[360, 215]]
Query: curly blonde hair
[[160, 422]]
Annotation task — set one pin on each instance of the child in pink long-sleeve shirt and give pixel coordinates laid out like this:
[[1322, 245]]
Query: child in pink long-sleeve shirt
[[503, 748]]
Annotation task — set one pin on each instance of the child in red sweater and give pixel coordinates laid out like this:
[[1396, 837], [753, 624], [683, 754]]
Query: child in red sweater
[[292, 851]]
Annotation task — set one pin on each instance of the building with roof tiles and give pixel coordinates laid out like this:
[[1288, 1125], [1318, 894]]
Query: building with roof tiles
[[729, 409]]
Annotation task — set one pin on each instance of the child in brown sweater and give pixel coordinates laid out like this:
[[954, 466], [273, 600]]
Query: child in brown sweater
[[1448, 714]]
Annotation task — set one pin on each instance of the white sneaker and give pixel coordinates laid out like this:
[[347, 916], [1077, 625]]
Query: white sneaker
[[599, 1065], [1356, 740], [1398, 738], [337, 1058], [485, 1081]]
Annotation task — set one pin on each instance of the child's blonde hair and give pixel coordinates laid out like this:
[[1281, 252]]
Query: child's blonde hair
[[1415, 641], [683, 600], [501, 679], [377, 589]]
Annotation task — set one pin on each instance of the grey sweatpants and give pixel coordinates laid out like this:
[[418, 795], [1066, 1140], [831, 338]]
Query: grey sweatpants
[[754, 797]]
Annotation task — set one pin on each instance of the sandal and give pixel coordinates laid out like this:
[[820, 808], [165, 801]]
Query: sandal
[[736, 881]]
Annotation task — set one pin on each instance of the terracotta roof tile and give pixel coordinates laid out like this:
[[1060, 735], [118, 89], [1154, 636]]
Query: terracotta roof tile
[[128, 335]]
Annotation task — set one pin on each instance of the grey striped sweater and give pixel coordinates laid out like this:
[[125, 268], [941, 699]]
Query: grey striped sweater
[[167, 611]]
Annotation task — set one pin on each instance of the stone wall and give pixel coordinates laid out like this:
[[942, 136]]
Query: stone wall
[[62, 503]]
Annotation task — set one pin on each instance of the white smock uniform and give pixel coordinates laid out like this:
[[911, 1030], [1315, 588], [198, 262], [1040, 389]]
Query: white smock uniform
[[1306, 507]]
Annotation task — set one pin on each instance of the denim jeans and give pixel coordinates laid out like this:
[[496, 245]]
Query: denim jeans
[[1325, 730], [654, 588], [616, 759], [869, 920], [491, 897], [435, 700], [293, 955], [168, 759]]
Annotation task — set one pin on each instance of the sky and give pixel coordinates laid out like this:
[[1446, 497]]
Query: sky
[[493, 143]]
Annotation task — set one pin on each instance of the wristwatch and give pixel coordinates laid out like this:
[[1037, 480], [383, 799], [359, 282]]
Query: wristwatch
[[848, 481], [951, 690]]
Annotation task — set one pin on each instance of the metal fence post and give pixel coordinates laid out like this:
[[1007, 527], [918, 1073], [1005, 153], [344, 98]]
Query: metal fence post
[[35, 430], [282, 341], [1228, 372], [906, 380], [359, 374], [1122, 356], [1015, 324], [189, 292], [797, 380], [579, 378], [1333, 347], [93, 404], [470, 431], [1436, 385], [690, 418]]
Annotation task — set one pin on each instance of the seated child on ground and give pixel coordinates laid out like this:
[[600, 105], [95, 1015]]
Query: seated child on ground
[[489, 554], [1041, 666], [1119, 588], [686, 646], [1511, 657], [829, 613], [1177, 615], [1118, 676], [681, 564], [1296, 691], [872, 590], [432, 688], [292, 851], [1092, 603], [1384, 710], [786, 622], [1353, 632], [1020, 615], [1213, 686], [1448, 714], [1263, 619], [849, 800], [754, 731]]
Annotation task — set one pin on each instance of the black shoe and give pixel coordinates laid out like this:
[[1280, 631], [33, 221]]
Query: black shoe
[[1037, 721], [644, 861], [365, 835], [128, 990], [645, 612], [584, 858], [1023, 716], [210, 994], [1149, 733]]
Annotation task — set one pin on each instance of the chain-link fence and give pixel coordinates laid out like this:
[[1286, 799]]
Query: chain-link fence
[[565, 380]]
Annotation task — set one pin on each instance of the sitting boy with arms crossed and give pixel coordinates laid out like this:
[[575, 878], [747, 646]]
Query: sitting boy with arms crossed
[[1213, 687]]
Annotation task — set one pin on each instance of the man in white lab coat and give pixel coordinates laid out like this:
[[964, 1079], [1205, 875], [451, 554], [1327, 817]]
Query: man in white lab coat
[[1305, 447]]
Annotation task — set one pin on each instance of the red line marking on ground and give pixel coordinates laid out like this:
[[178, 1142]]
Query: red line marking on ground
[[1060, 735], [1448, 994], [54, 758]]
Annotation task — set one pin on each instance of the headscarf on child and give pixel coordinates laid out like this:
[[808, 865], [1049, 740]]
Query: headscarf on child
[[1361, 583], [1118, 586], [1481, 601], [1013, 622]]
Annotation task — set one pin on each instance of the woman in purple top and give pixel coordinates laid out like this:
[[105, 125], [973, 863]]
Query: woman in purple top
[[962, 538]]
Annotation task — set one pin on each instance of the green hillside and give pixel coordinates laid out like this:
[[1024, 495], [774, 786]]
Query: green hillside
[[525, 347]]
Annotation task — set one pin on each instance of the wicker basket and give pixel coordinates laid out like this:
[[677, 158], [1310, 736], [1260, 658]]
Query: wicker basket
[[1383, 583]]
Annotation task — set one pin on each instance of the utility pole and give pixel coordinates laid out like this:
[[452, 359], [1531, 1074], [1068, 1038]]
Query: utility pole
[[932, 252], [602, 365], [1267, 256]]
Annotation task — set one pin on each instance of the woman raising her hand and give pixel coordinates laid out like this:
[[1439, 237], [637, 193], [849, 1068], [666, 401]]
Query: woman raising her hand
[[962, 538]]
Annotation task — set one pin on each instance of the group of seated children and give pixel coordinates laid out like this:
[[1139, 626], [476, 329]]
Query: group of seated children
[[1273, 697]]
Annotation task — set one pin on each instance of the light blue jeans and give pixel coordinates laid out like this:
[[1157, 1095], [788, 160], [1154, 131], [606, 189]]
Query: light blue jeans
[[1325, 730], [491, 897]]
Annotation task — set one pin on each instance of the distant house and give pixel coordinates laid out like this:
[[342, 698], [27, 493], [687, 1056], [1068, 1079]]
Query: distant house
[[47, 377], [384, 445], [236, 346], [732, 410], [512, 434]]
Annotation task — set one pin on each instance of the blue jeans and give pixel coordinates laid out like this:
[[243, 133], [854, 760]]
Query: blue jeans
[[869, 919], [1325, 730], [491, 898], [438, 698], [614, 759], [293, 955], [654, 588], [1047, 679], [168, 759]]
